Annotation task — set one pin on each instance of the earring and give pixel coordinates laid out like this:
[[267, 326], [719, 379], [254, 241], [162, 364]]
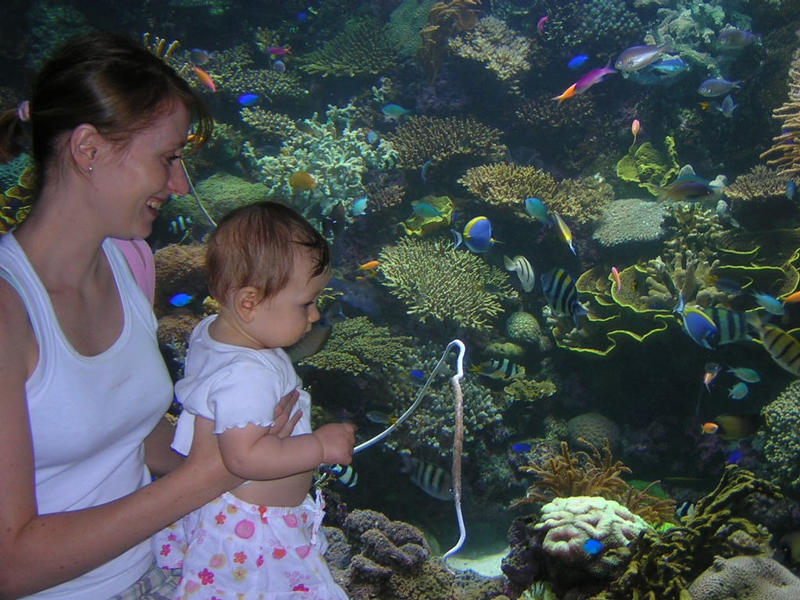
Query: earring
[[90, 169]]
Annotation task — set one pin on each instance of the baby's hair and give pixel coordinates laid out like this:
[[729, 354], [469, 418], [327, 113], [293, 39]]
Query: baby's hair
[[255, 245], [105, 80]]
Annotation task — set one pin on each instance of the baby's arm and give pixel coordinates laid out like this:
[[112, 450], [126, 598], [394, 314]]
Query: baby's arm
[[250, 453]]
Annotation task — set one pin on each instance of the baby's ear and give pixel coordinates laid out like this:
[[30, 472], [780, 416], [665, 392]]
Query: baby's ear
[[245, 301]]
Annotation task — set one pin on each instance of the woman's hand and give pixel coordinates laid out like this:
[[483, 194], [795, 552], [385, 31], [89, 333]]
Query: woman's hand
[[284, 425]]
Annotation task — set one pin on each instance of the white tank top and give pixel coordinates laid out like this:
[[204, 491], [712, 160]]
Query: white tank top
[[90, 414]]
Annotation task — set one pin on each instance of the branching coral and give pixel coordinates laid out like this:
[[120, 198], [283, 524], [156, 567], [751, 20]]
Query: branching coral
[[271, 124], [785, 152], [436, 139], [357, 345], [333, 152], [500, 48], [436, 281], [362, 48], [502, 184]]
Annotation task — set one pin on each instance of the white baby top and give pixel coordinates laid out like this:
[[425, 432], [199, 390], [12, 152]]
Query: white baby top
[[90, 414], [234, 386]]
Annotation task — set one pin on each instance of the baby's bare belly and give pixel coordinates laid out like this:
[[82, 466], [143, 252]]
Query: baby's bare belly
[[289, 491]]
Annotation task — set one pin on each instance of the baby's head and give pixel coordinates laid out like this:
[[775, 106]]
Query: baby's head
[[256, 246]]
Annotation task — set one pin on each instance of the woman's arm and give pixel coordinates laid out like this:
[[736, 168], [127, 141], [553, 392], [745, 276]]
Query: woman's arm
[[158, 455]]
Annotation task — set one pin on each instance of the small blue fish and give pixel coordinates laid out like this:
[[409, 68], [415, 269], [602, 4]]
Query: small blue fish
[[478, 235], [713, 87], [738, 391], [576, 62], [727, 107], [417, 374], [181, 299], [593, 547], [423, 172], [248, 99], [425, 210], [279, 66], [379, 417], [372, 137], [536, 209], [770, 304], [745, 374], [791, 189], [358, 206], [670, 67], [734, 457], [302, 16], [394, 112], [521, 448]]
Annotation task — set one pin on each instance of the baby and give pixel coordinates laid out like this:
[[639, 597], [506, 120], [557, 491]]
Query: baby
[[266, 267]]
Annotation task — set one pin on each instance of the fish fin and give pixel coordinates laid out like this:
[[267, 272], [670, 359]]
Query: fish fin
[[508, 263]]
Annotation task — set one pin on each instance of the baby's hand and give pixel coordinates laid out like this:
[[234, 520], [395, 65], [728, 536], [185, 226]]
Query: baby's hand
[[337, 441]]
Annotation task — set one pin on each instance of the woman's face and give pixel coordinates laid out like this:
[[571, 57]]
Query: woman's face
[[135, 180]]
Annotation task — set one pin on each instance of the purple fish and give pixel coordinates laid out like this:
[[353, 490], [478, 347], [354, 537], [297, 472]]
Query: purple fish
[[638, 57], [592, 77]]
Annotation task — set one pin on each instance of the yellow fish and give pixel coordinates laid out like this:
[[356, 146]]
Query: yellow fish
[[565, 232]]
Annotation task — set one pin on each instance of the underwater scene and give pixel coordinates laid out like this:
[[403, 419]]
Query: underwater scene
[[565, 303]]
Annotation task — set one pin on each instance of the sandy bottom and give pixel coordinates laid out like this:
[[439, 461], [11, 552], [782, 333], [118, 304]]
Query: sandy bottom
[[487, 565]]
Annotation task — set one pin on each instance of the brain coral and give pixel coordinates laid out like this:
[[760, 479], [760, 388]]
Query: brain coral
[[594, 428], [435, 139], [435, 280], [745, 578]]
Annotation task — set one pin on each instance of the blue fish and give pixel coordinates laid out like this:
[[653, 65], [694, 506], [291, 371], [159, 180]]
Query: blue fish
[[521, 448], [478, 235], [279, 66], [372, 137], [713, 87], [727, 107], [700, 327], [425, 210], [302, 16], [394, 112], [791, 189], [181, 299], [536, 209], [772, 305], [670, 67], [562, 296], [180, 225], [734, 457], [358, 206], [576, 62], [593, 546], [738, 391], [417, 374], [248, 99]]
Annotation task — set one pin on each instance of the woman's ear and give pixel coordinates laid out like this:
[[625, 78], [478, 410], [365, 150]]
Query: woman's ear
[[245, 301], [84, 144]]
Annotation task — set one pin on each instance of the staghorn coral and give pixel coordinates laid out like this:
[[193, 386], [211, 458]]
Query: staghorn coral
[[778, 435], [436, 281], [272, 124], [436, 139], [503, 184], [785, 152], [357, 345], [497, 46], [335, 153], [663, 564], [362, 48]]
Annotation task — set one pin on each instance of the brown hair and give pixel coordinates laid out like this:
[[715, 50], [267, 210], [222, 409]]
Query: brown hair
[[254, 245], [106, 80]]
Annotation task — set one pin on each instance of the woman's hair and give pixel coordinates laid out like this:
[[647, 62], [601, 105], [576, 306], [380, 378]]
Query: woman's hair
[[106, 80], [255, 245]]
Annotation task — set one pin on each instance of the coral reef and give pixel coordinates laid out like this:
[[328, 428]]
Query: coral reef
[[592, 430], [362, 48], [405, 24], [785, 152], [180, 268], [438, 282], [593, 25], [648, 167], [419, 224], [758, 198], [630, 221], [500, 48], [583, 200], [333, 152], [503, 184], [272, 125], [745, 578], [437, 139], [779, 437], [522, 326], [357, 346], [16, 201]]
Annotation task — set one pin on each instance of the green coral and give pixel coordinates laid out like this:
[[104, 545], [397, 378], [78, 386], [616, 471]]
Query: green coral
[[335, 153], [363, 48], [357, 346], [649, 167], [436, 281], [779, 436]]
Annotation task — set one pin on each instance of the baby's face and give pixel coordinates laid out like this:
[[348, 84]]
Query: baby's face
[[286, 317]]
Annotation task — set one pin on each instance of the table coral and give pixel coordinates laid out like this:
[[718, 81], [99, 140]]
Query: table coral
[[436, 139], [497, 46], [503, 184], [362, 48], [758, 198], [438, 282]]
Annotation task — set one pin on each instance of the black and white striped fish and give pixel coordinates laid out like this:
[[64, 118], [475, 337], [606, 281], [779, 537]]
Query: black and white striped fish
[[782, 347], [432, 479], [500, 369], [559, 289], [731, 325], [524, 271], [344, 474]]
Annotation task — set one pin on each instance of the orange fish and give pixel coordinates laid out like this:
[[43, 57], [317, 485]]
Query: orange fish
[[794, 297], [566, 94], [617, 278], [369, 266], [636, 126], [302, 181], [709, 427], [205, 78]]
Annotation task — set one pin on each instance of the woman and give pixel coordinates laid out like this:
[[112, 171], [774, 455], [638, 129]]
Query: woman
[[84, 386]]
